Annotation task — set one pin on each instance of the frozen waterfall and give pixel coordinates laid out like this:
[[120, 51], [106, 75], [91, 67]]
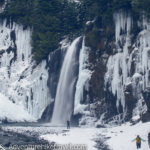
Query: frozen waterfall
[[22, 84], [83, 78], [65, 90]]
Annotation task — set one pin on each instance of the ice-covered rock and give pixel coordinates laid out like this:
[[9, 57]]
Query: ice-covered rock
[[21, 82], [130, 63]]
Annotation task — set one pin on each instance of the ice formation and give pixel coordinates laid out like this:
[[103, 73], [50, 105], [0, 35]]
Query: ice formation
[[130, 63], [83, 78], [23, 84]]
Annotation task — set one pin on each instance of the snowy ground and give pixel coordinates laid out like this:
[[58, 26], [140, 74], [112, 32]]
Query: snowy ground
[[118, 138], [75, 136], [121, 137]]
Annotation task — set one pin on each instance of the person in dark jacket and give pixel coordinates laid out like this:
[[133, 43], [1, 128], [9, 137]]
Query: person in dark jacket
[[68, 124], [149, 139]]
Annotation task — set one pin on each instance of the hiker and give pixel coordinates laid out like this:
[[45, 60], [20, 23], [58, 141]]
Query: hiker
[[68, 124], [138, 140], [149, 139]]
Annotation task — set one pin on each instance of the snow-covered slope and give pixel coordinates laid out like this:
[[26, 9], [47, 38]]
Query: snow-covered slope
[[13, 112]]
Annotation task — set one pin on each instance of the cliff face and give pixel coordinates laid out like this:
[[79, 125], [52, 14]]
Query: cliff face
[[119, 85], [22, 82], [112, 71]]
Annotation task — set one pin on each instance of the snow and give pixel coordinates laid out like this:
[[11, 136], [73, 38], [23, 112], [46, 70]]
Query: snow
[[83, 136], [60, 135], [119, 138], [116, 137], [137, 75], [122, 136], [75, 1], [12, 111]]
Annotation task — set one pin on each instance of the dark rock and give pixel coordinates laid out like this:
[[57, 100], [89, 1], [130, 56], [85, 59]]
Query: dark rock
[[111, 108], [100, 126], [5, 121], [54, 65], [2, 3], [13, 36], [145, 117], [47, 114], [2, 52], [130, 102], [7, 144], [133, 67], [75, 119], [146, 95]]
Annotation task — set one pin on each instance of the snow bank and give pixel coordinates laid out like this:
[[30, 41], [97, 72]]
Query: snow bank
[[12, 111]]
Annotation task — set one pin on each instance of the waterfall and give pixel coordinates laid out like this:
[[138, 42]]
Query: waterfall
[[63, 107]]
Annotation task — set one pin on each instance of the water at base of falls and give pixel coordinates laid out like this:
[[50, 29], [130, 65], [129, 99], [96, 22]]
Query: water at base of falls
[[63, 107]]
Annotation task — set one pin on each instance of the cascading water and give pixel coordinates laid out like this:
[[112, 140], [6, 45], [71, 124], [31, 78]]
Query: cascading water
[[66, 86]]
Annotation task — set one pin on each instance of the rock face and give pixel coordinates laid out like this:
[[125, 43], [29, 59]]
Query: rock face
[[54, 66], [121, 67], [112, 74]]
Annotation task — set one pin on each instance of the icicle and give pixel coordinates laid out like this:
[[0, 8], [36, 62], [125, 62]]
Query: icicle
[[133, 68], [117, 65]]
